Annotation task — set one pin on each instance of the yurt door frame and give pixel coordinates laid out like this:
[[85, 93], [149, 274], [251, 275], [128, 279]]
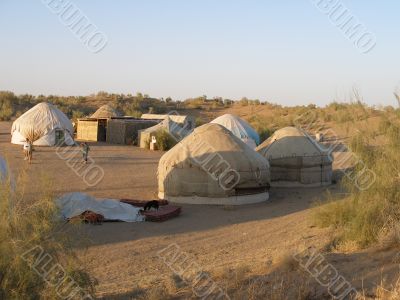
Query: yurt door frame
[[60, 136]]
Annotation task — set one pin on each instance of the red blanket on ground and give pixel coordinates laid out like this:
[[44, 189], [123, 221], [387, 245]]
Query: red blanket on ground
[[88, 217], [142, 203], [164, 213]]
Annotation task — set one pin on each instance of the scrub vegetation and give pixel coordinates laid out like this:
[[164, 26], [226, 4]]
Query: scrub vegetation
[[33, 240]]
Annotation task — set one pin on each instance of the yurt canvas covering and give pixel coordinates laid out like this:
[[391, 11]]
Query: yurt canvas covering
[[296, 159], [213, 166], [186, 121], [239, 128], [105, 112], [174, 129], [47, 123]]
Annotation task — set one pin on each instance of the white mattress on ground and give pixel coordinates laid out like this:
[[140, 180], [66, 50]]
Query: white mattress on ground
[[74, 204]]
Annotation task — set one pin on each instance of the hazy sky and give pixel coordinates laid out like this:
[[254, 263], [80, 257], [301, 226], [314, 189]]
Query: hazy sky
[[283, 51]]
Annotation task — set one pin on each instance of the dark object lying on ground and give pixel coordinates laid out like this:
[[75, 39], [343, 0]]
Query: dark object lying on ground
[[89, 217], [165, 213], [142, 203], [151, 204]]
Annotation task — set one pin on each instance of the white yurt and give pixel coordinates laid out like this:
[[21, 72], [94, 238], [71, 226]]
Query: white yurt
[[45, 124], [296, 159], [176, 131], [239, 128], [213, 166]]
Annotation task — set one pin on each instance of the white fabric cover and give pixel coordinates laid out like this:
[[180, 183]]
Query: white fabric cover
[[44, 118], [74, 204], [239, 128]]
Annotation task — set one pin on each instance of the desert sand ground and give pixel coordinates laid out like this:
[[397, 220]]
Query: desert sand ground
[[123, 256]]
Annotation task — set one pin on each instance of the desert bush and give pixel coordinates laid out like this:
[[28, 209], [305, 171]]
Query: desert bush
[[260, 125], [195, 103], [6, 111], [281, 282], [7, 102], [244, 101], [343, 116], [76, 114], [134, 113], [265, 133], [199, 121], [337, 106], [372, 209], [325, 116], [28, 224], [164, 140]]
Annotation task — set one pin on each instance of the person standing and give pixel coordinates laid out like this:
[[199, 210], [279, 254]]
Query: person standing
[[28, 151], [85, 151]]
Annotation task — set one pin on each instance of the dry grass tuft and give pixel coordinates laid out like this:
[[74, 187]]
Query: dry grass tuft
[[26, 223], [373, 208], [389, 237], [288, 263], [33, 134], [383, 291]]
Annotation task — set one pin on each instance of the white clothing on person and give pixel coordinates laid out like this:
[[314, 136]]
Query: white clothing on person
[[27, 146]]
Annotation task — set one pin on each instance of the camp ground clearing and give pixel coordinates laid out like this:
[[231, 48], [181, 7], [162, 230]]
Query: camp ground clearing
[[242, 241]]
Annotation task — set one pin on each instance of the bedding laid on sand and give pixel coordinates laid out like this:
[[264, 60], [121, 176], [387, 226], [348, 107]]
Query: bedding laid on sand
[[74, 204], [142, 203], [164, 213]]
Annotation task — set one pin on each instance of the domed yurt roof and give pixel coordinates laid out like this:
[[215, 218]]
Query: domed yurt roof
[[239, 128], [213, 166], [40, 124], [163, 125], [296, 159], [105, 112], [290, 142]]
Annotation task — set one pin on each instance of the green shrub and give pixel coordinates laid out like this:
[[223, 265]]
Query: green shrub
[[7, 101], [199, 121], [6, 111], [77, 114], [134, 113], [266, 127], [164, 140], [265, 133]]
